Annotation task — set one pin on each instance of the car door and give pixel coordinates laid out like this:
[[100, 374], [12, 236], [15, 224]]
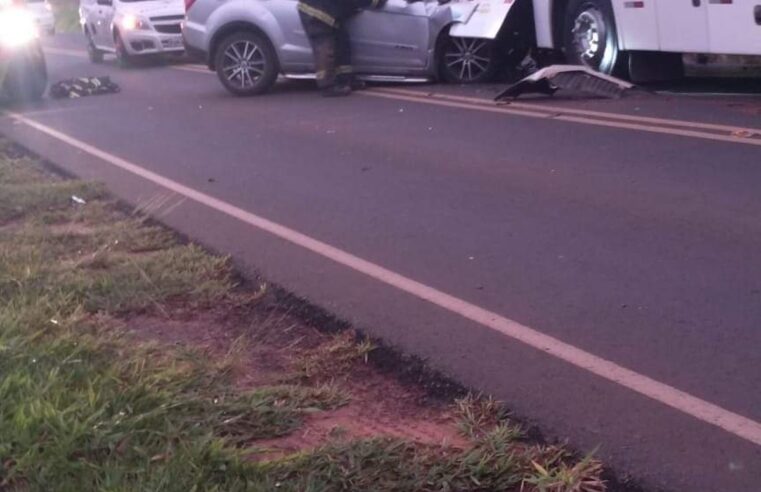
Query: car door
[[683, 26], [393, 39], [735, 26], [290, 40]]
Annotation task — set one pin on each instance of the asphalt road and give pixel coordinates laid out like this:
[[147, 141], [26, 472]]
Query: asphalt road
[[630, 240]]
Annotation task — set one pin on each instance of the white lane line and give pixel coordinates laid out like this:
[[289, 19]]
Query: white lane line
[[702, 410], [569, 118]]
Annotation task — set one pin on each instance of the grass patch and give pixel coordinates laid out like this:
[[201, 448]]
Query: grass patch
[[479, 415], [20, 199], [333, 358], [85, 406], [394, 465], [66, 16]]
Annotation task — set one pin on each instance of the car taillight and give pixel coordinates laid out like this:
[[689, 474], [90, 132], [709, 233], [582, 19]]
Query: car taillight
[[188, 4]]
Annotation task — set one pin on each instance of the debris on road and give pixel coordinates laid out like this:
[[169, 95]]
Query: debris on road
[[78, 200], [569, 77], [83, 86]]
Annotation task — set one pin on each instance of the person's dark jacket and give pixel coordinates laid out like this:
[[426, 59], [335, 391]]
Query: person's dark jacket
[[333, 12]]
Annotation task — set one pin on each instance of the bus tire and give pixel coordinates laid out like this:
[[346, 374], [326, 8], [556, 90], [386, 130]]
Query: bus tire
[[590, 37]]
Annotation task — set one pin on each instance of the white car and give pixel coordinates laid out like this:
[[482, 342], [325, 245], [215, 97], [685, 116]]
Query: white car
[[132, 28], [42, 13]]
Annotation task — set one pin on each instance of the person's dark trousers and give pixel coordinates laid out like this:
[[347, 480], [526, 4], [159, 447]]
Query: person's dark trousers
[[332, 51]]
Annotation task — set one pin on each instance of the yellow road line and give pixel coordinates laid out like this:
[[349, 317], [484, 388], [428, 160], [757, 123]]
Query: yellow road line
[[193, 68], [581, 112], [750, 139], [666, 126]]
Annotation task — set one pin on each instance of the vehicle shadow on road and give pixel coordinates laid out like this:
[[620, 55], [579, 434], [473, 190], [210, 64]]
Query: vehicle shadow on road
[[153, 62]]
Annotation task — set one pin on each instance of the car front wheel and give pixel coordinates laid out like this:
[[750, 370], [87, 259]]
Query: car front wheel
[[468, 60], [246, 64]]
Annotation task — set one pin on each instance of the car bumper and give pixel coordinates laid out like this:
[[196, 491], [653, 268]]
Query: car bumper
[[194, 38], [152, 43]]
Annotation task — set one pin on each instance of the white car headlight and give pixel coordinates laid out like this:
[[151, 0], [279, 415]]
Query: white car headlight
[[17, 28], [131, 22]]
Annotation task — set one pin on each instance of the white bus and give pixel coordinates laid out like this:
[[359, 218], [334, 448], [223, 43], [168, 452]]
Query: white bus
[[642, 38]]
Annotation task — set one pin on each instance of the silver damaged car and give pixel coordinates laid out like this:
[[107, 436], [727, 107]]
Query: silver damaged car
[[250, 42]]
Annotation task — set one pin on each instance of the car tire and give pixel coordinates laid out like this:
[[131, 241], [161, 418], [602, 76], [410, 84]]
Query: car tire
[[95, 55], [590, 37], [468, 60], [27, 79], [123, 58], [246, 63]]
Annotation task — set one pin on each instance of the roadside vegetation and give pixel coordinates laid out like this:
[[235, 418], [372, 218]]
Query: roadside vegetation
[[130, 361], [66, 15]]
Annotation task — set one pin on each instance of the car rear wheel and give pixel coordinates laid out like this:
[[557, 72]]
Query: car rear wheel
[[590, 36], [246, 64], [95, 55], [468, 60]]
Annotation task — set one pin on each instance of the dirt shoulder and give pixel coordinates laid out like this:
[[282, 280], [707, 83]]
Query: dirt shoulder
[[130, 360]]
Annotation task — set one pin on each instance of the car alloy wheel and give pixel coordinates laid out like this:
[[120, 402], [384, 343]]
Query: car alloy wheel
[[468, 60], [243, 64], [246, 64]]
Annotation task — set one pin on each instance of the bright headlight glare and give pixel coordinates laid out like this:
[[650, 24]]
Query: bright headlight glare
[[16, 28], [130, 22]]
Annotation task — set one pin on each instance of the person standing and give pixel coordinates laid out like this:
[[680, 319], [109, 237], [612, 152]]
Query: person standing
[[324, 22]]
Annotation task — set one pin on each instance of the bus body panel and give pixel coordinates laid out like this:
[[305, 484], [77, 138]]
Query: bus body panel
[[637, 24], [681, 26], [732, 27]]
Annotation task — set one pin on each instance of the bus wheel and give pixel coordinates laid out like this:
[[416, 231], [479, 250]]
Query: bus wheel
[[590, 36]]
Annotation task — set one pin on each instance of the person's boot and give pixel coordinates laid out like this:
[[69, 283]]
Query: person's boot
[[336, 91]]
